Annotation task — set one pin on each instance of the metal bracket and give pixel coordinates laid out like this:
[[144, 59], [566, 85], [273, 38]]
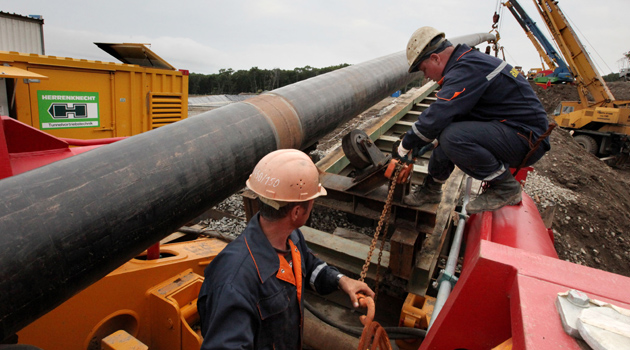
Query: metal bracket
[[445, 276]]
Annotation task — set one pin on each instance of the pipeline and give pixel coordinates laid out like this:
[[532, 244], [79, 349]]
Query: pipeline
[[66, 225]]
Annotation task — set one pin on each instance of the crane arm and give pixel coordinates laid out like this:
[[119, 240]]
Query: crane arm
[[587, 77], [549, 54]]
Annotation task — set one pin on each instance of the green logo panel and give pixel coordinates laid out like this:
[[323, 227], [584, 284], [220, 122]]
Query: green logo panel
[[67, 109]]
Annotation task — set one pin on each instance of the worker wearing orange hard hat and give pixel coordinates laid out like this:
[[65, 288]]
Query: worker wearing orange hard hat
[[252, 294], [486, 119]]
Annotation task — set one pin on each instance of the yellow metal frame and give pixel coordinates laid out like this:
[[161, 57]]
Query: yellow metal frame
[[152, 300], [416, 313], [616, 120]]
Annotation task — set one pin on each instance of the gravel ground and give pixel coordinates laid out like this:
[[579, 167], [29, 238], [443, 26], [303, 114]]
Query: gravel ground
[[323, 219], [228, 226], [545, 193]]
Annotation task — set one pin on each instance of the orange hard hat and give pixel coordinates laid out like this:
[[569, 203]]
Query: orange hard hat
[[286, 175]]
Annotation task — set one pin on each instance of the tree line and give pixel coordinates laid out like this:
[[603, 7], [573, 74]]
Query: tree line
[[254, 80]]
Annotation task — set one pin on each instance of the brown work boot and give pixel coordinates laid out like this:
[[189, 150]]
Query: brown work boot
[[429, 193], [499, 194]]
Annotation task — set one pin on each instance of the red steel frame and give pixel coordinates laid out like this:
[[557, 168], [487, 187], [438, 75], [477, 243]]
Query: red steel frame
[[510, 279], [24, 148]]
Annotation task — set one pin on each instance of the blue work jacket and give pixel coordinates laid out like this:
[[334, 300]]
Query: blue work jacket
[[246, 303], [479, 87]]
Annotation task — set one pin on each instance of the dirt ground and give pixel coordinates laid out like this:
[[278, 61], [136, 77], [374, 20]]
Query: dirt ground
[[592, 219]]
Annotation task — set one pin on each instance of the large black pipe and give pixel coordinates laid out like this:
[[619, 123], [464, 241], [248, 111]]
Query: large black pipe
[[68, 224]]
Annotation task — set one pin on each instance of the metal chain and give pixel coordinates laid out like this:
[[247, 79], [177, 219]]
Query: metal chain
[[383, 220], [377, 279]]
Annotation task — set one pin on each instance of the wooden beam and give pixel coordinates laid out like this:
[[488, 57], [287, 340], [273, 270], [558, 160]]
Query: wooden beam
[[427, 256]]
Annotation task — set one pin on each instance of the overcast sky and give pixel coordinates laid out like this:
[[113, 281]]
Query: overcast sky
[[204, 36]]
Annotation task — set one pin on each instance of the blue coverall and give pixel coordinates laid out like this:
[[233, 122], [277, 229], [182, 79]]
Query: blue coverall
[[486, 118], [246, 303]]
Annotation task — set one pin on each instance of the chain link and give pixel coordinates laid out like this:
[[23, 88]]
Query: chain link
[[384, 220], [377, 279]]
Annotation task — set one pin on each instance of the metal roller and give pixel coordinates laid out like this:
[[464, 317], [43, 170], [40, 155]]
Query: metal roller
[[68, 224]]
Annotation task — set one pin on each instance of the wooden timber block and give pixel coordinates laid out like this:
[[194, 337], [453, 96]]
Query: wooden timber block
[[121, 340], [404, 242]]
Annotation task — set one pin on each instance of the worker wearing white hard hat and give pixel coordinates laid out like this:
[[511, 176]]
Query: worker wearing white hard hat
[[486, 119], [252, 294], [424, 42]]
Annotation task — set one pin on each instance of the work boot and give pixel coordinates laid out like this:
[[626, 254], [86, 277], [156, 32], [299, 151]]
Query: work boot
[[498, 194], [429, 193]]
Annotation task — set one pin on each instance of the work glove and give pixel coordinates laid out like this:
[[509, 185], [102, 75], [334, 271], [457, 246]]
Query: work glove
[[408, 156], [419, 151], [400, 152]]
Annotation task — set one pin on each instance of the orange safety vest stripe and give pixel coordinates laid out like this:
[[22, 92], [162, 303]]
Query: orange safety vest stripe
[[292, 275]]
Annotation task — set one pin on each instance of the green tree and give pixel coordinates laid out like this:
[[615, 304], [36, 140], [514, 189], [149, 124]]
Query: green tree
[[254, 80]]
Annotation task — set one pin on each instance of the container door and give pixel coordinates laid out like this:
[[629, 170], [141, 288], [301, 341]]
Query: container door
[[73, 103]]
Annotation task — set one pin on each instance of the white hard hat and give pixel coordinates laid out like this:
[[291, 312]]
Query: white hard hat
[[421, 44], [286, 175]]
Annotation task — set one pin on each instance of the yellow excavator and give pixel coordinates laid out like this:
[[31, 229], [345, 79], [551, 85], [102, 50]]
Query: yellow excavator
[[599, 122]]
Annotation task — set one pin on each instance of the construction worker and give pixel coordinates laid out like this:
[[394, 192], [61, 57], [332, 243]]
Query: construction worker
[[252, 294], [486, 119]]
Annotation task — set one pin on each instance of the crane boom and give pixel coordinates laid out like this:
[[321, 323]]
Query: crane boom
[[545, 49], [586, 75], [600, 123]]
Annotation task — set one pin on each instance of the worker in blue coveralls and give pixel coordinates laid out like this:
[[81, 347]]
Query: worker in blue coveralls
[[486, 119], [252, 294]]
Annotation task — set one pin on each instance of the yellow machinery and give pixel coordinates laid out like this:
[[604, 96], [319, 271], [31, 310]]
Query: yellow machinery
[[152, 302], [531, 74], [82, 99], [601, 124], [520, 70]]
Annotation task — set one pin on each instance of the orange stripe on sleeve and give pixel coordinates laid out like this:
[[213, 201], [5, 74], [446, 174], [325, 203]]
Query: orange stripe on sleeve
[[454, 95], [250, 253]]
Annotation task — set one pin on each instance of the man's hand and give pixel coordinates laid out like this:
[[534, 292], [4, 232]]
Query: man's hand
[[352, 287], [402, 151]]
